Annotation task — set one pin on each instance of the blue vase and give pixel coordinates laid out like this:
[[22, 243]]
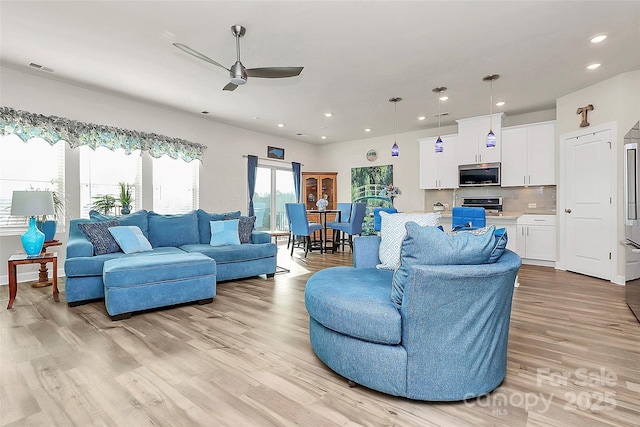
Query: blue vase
[[32, 239], [49, 229]]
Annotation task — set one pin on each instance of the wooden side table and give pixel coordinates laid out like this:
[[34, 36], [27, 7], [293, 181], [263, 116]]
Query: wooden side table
[[43, 275], [275, 234], [20, 259]]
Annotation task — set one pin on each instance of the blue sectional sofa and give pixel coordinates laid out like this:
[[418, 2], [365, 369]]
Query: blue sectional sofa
[[171, 238], [445, 340]]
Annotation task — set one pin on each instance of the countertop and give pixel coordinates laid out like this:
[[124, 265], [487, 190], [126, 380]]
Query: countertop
[[504, 215]]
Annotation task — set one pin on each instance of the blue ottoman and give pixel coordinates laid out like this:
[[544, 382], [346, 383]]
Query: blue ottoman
[[141, 282]]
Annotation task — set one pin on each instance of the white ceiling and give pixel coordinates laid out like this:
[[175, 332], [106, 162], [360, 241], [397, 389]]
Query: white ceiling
[[356, 55]]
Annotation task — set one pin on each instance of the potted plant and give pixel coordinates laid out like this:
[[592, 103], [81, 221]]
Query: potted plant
[[103, 203], [126, 197]]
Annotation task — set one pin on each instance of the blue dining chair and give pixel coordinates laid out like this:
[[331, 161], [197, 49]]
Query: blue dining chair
[[351, 227], [300, 226], [468, 217], [345, 214], [376, 216]]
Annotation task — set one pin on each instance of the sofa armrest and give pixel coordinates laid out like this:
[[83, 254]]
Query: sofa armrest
[[260, 237], [78, 245], [365, 251]]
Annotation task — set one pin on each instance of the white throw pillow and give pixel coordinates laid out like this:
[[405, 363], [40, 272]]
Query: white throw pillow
[[393, 232]]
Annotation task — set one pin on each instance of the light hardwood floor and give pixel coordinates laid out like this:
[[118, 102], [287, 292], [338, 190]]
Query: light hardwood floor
[[245, 360]]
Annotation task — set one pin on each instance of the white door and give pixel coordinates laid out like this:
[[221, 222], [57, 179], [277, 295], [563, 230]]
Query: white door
[[588, 218]]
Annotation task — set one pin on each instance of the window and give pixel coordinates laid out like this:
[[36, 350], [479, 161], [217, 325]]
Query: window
[[102, 170], [269, 210], [32, 165], [175, 185]]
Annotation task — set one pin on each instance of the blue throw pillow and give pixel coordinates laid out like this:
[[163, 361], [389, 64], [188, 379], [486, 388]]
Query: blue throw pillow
[[224, 232], [99, 236], [430, 246], [173, 230], [204, 218], [130, 239]]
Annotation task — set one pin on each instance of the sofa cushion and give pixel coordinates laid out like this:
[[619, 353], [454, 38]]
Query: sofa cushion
[[93, 266], [392, 234], [130, 239], [430, 246], [138, 219], [100, 237], [355, 302], [173, 230], [224, 232], [234, 253], [204, 219]]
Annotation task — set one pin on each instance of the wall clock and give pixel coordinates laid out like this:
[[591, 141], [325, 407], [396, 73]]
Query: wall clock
[[372, 155]]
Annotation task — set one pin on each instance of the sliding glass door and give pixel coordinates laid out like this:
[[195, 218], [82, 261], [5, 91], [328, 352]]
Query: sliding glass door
[[274, 188]]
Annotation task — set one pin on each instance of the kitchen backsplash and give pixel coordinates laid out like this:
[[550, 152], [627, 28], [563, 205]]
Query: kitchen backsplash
[[514, 199]]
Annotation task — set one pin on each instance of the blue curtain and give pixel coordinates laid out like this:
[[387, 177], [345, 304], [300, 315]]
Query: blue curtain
[[252, 168], [297, 177]]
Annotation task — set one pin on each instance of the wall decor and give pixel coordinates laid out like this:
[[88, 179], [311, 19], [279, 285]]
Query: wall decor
[[275, 153], [372, 155], [367, 186], [583, 111]]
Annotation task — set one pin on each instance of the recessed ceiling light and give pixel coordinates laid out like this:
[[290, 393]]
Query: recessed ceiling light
[[593, 66], [255, 118], [367, 130], [444, 98], [280, 125], [323, 137], [422, 118], [598, 38], [328, 114], [500, 104]]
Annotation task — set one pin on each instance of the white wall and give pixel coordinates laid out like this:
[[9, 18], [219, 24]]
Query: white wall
[[223, 171], [615, 100]]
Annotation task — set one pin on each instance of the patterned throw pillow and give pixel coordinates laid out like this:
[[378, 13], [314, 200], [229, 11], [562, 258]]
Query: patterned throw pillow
[[100, 237], [392, 233], [245, 227]]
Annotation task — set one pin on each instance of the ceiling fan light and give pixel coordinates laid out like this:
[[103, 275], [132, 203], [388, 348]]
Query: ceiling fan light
[[238, 74]]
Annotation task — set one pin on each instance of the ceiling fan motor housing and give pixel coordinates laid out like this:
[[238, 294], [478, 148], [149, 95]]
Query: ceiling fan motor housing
[[238, 74]]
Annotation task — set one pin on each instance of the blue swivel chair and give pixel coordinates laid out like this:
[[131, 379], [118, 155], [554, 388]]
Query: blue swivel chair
[[351, 227], [468, 218], [376, 216], [300, 227]]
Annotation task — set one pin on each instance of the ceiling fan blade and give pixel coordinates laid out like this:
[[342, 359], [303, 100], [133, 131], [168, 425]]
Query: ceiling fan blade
[[230, 86], [198, 55], [274, 72]]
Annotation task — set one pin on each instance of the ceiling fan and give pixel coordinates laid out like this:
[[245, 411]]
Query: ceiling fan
[[238, 72]]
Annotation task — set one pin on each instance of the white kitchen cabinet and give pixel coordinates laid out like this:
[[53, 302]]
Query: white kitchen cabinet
[[472, 136], [439, 170], [528, 155], [536, 239]]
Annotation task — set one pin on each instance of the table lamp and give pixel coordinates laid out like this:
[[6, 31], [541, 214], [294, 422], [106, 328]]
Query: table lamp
[[32, 204]]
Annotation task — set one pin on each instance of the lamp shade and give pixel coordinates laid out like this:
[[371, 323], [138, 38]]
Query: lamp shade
[[32, 203]]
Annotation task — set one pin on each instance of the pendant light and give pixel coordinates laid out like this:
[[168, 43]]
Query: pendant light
[[439, 146], [395, 150], [491, 137]]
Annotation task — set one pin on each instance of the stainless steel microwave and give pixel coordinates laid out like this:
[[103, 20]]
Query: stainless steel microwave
[[480, 174]]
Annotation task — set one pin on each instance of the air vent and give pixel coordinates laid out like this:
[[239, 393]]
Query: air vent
[[441, 114], [204, 112], [40, 67]]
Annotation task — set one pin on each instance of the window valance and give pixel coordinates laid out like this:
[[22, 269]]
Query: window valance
[[52, 129]]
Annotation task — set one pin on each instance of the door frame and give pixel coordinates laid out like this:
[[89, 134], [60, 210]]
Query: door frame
[[561, 263]]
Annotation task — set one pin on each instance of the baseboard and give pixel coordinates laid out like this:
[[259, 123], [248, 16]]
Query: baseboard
[[27, 276]]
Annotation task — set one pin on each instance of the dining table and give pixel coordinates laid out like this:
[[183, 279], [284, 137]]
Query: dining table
[[322, 213]]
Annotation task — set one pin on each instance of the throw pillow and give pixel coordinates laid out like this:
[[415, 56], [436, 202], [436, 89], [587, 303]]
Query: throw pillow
[[99, 236], [392, 232], [430, 246], [224, 232], [173, 230], [130, 239], [204, 217], [245, 227], [500, 235], [138, 218]]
